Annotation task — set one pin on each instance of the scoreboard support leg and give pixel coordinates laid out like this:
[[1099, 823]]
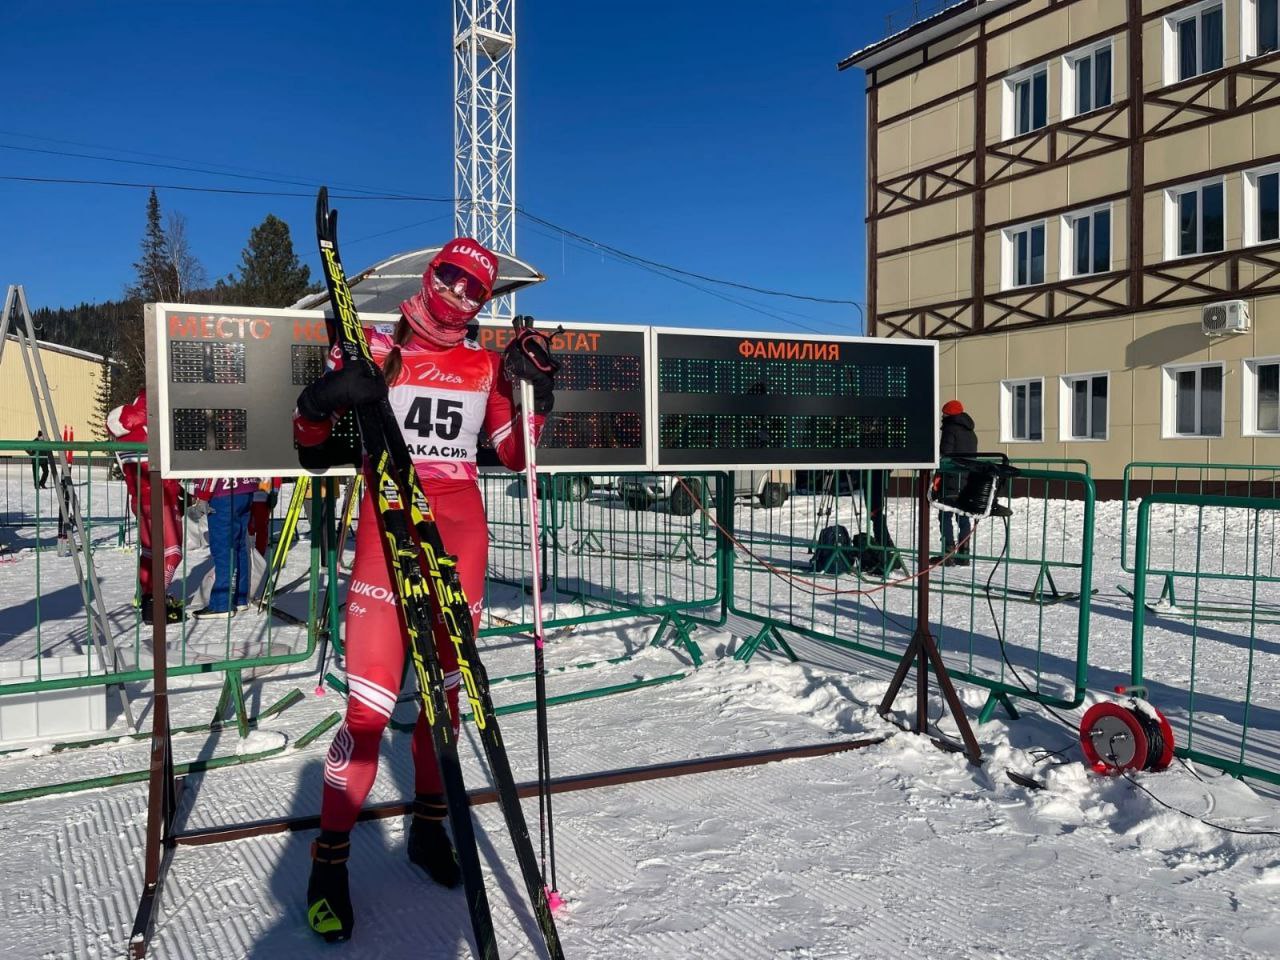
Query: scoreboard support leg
[[923, 649], [163, 789]]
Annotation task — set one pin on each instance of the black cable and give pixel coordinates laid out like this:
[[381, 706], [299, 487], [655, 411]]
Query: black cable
[[1192, 816], [224, 190], [671, 271], [1004, 653], [687, 273]]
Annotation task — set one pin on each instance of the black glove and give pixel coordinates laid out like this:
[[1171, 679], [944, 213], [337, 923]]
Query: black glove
[[341, 389], [528, 357]]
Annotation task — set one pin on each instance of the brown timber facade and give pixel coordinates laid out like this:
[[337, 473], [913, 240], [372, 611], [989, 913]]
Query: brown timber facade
[[1056, 188]]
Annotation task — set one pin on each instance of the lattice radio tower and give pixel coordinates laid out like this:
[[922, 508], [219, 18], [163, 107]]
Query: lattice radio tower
[[484, 129]]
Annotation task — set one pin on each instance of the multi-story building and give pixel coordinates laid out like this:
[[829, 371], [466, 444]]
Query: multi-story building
[[1057, 190]]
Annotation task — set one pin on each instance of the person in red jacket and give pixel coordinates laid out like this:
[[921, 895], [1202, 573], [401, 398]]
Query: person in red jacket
[[264, 501], [128, 423], [444, 389]]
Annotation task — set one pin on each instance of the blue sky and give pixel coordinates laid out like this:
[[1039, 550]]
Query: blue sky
[[715, 136]]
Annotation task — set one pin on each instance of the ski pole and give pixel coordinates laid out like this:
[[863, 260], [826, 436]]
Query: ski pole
[[546, 821]]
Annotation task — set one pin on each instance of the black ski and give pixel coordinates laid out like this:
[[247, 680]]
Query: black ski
[[426, 577]]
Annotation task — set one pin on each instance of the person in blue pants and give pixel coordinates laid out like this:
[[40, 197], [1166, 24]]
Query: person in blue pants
[[227, 504]]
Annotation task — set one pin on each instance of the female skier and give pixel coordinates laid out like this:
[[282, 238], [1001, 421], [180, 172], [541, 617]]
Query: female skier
[[443, 389]]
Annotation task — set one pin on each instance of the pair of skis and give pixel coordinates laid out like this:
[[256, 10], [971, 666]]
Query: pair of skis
[[426, 581]]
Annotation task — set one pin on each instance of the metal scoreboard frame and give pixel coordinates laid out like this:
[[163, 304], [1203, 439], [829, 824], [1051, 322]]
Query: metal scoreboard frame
[[218, 394], [249, 336], [585, 340], [759, 342]]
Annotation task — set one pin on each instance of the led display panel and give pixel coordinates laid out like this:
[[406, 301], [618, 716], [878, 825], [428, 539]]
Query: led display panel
[[726, 400]]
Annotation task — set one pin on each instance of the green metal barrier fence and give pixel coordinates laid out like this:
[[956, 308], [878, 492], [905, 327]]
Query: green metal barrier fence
[[102, 504], [1143, 478], [696, 553], [606, 554], [1038, 578], [48, 639], [1216, 678]]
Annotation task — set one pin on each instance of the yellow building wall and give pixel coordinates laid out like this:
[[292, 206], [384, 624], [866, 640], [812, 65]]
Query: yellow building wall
[[1133, 350], [73, 384]]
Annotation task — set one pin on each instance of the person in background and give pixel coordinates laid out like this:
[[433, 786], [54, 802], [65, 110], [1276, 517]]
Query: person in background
[[264, 502], [128, 423], [41, 462], [958, 440], [227, 504]]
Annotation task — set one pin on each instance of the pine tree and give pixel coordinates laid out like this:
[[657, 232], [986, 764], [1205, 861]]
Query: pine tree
[[270, 273], [156, 279], [103, 400]]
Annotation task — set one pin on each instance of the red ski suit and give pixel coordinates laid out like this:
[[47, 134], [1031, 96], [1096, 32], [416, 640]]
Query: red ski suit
[[441, 399], [129, 424]]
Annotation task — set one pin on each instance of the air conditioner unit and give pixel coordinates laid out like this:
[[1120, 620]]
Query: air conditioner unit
[[1229, 316]]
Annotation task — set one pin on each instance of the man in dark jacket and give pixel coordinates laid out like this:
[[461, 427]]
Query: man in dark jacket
[[958, 440], [41, 462]]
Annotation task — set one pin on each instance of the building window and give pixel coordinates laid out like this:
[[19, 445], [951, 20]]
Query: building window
[[1084, 407], [1193, 41], [1260, 27], [1086, 83], [1262, 205], [1194, 219], [1086, 242], [1193, 401], [1262, 396], [1026, 101], [1022, 410], [1023, 256]]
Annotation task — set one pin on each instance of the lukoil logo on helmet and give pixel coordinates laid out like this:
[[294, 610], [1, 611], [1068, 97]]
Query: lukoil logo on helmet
[[476, 255]]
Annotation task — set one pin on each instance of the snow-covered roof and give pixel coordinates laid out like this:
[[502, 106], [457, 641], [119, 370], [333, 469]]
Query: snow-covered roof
[[386, 285], [69, 351], [923, 31]]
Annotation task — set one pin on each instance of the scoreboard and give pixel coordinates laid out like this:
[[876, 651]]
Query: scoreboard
[[601, 418], [727, 400], [223, 381], [221, 387]]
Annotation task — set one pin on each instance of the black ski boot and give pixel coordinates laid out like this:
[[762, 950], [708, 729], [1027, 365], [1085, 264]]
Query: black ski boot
[[328, 898], [429, 845], [961, 558], [172, 609], [944, 559]]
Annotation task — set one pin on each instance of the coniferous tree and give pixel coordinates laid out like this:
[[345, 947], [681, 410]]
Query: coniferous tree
[[270, 273], [103, 400], [156, 280]]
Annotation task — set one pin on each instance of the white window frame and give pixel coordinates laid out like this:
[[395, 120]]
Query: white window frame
[[1069, 78], [1008, 254], [1171, 232], [1010, 107], [1170, 24], [1169, 401], [1006, 409], [1249, 396], [1065, 407], [1249, 29], [1067, 245], [1249, 183]]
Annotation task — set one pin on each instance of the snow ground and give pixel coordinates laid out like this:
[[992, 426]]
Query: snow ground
[[898, 850]]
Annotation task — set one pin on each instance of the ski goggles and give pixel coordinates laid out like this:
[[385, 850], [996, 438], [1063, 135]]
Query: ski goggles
[[447, 276]]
